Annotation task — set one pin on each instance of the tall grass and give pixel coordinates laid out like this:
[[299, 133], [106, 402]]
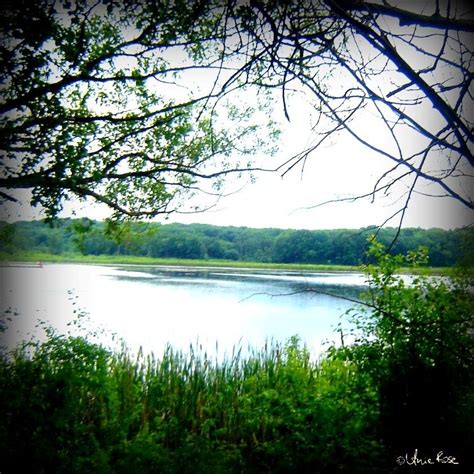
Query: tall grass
[[73, 406]]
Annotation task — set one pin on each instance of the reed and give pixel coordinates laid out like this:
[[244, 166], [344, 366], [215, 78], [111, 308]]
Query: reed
[[73, 405]]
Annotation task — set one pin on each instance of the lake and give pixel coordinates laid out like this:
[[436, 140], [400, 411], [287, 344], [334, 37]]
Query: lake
[[150, 306]]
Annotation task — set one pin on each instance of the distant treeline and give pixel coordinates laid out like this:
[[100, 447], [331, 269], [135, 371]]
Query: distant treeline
[[202, 241]]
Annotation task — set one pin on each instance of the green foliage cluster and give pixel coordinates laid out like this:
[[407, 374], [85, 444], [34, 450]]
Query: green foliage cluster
[[72, 406], [405, 383], [201, 241], [416, 338], [81, 114]]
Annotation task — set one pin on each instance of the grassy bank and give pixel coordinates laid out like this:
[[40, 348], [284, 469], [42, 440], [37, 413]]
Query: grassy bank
[[136, 260]]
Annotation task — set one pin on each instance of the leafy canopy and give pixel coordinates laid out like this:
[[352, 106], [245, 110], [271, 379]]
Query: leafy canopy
[[111, 101], [125, 102]]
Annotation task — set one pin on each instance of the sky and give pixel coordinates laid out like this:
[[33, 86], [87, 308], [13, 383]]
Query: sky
[[341, 168], [287, 203]]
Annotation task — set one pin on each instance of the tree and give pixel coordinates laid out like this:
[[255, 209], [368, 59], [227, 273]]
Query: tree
[[80, 117], [97, 104], [389, 66], [7, 237]]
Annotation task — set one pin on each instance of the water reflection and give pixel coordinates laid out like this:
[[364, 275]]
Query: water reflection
[[272, 283], [151, 306]]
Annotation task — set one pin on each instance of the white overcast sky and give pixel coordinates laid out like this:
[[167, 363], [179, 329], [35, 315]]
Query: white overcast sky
[[340, 168]]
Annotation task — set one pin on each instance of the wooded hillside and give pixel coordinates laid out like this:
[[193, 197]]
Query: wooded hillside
[[202, 241]]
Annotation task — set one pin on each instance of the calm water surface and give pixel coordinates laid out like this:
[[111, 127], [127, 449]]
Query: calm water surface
[[150, 306]]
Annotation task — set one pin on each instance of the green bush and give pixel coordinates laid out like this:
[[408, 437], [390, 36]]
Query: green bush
[[416, 341]]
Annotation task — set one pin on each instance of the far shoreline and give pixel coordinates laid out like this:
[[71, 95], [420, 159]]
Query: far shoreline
[[40, 258]]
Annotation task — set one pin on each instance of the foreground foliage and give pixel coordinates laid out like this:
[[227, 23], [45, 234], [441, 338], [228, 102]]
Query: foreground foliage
[[74, 406], [136, 106], [405, 383], [416, 339]]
